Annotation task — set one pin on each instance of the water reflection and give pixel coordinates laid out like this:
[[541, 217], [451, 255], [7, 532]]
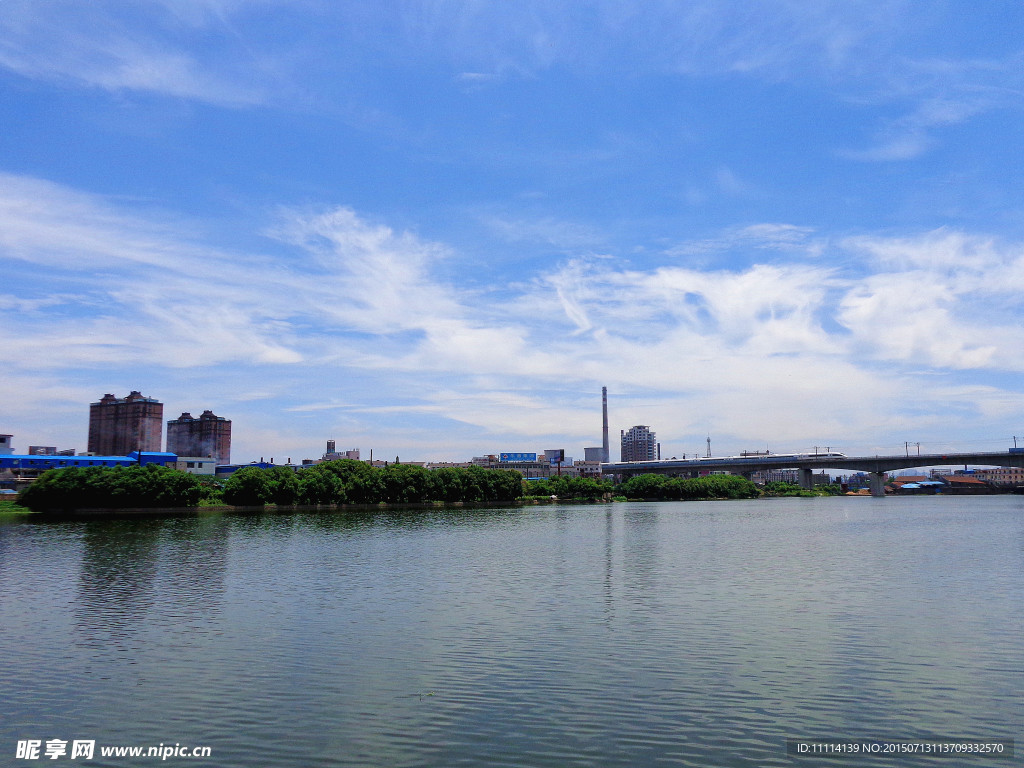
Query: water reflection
[[193, 568], [115, 587], [609, 539], [137, 573], [641, 544]]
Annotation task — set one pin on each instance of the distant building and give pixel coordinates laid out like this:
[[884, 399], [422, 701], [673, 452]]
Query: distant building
[[5, 444], [589, 468], [208, 436], [448, 464], [333, 454], [762, 476], [964, 485], [196, 465], [594, 454], [25, 466], [538, 469], [42, 450], [1011, 477], [638, 444], [118, 426]]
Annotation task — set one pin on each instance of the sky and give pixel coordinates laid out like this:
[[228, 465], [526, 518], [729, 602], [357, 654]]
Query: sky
[[436, 229]]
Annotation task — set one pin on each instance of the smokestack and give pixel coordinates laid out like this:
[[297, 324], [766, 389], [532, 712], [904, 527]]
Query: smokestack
[[604, 420]]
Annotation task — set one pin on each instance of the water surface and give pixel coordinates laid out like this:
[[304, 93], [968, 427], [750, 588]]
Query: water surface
[[691, 634]]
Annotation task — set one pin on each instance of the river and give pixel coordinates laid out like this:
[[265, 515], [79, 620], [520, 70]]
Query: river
[[629, 634]]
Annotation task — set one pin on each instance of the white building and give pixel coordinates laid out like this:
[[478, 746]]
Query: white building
[[638, 444], [197, 465]]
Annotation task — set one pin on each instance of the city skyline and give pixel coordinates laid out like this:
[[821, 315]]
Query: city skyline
[[437, 230]]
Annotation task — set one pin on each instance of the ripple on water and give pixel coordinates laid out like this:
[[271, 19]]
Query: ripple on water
[[620, 635]]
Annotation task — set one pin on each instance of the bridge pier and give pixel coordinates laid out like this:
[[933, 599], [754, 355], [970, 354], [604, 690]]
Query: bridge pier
[[877, 483], [806, 478]]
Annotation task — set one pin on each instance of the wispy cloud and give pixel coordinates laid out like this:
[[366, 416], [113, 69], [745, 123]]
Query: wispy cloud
[[564, 235], [931, 94], [92, 45], [790, 239], [360, 309]]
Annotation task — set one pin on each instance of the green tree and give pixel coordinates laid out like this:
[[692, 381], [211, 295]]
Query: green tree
[[445, 484], [285, 487], [403, 483], [648, 486], [320, 486], [248, 487]]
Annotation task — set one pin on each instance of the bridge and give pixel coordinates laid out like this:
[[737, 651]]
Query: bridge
[[877, 467]]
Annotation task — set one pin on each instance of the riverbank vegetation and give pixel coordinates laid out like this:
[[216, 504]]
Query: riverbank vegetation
[[354, 482], [781, 488], [12, 508], [568, 488], [150, 486], [652, 486], [330, 483]]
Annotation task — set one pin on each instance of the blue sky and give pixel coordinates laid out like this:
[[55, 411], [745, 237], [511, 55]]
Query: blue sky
[[437, 229]]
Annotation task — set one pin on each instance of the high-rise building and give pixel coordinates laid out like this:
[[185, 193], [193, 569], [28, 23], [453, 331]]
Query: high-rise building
[[5, 444], [118, 426], [638, 444], [209, 435]]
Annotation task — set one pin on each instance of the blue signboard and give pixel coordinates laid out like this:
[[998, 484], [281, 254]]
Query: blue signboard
[[517, 457]]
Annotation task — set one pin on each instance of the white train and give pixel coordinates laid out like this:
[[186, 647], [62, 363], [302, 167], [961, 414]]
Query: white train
[[768, 455]]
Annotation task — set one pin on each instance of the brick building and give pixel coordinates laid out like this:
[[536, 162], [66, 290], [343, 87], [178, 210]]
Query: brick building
[[118, 426], [209, 435]]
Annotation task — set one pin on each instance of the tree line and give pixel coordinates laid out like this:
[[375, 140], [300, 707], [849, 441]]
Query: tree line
[[112, 488], [333, 482], [347, 481], [652, 486]]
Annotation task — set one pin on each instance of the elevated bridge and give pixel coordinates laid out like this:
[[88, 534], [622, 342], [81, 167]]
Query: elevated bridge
[[806, 463]]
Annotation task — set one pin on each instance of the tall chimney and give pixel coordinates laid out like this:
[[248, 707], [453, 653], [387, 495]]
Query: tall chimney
[[604, 421]]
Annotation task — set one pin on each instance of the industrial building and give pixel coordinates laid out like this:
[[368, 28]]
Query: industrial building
[[208, 436], [118, 426], [26, 466]]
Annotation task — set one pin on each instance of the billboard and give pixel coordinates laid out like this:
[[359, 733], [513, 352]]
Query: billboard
[[517, 457]]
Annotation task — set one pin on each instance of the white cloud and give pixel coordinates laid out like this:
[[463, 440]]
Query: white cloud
[[352, 318]]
